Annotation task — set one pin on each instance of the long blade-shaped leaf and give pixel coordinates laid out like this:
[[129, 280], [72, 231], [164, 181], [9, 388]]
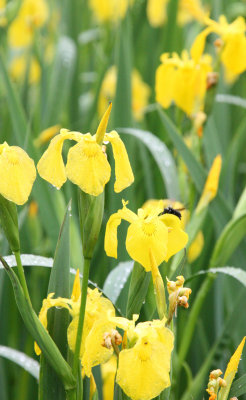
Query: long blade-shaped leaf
[[28, 363]]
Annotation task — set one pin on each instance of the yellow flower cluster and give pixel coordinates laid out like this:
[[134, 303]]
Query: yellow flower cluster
[[145, 356], [183, 80], [140, 92]]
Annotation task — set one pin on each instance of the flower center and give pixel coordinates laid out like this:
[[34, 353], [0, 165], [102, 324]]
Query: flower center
[[149, 228]]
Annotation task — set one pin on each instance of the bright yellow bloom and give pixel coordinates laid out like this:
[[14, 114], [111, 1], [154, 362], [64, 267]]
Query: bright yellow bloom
[[143, 371], [154, 233], [157, 12], [109, 10], [87, 165], [211, 184], [197, 245], [108, 371], [17, 173], [46, 135], [233, 52], [96, 323], [140, 92], [19, 67], [32, 14], [182, 80]]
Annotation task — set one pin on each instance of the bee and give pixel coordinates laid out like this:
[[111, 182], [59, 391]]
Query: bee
[[173, 211]]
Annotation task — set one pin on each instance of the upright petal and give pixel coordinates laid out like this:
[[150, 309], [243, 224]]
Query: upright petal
[[198, 45], [17, 174], [87, 166], [123, 171], [101, 130]]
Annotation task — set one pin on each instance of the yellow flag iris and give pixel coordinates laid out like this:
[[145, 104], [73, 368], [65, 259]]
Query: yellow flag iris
[[153, 233], [17, 173], [143, 370], [183, 80], [108, 10], [96, 323], [87, 165], [233, 50]]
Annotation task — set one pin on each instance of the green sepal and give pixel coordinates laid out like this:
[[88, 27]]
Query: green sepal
[[9, 223], [139, 284], [39, 333], [90, 215]]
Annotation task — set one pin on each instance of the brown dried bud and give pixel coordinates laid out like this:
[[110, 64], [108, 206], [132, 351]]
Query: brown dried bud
[[218, 44], [111, 338], [215, 374], [222, 382], [212, 79]]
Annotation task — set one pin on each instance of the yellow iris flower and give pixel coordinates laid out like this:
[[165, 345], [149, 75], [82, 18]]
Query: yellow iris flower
[[32, 14], [148, 234], [109, 10], [87, 165], [197, 245], [183, 80], [233, 51], [17, 173], [96, 323], [140, 92], [143, 370]]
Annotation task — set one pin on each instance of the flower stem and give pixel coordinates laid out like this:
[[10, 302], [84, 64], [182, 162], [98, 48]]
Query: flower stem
[[21, 275], [81, 314], [71, 394]]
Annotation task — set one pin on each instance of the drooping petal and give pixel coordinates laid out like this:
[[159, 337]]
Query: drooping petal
[[108, 371], [143, 236], [177, 238], [95, 353], [149, 362], [51, 166], [165, 77], [111, 240], [17, 174], [87, 166], [198, 45], [123, 171]]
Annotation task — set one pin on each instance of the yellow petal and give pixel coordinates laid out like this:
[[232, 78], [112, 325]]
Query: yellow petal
[[231, 370], [143, 236], [165, 78], [101, 130], [95, 353], [108, 371], [149, 362], [46, 135], [196, 247], [234, 54], [198, 45], [111, 240], [76, 292], [156, 12], [51, 166], [211, 184], [17, 174], [87, 166], [123, 171], [20, 33], [177, 238]]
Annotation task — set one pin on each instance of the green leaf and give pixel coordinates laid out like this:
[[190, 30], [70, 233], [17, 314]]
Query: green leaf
[[230, 99], [228, 241], [39, 333], [162, 156], [236, 273], [21, 359], [60, 81], [139, 284], [117, 279], [238, 387], [58, 320]]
